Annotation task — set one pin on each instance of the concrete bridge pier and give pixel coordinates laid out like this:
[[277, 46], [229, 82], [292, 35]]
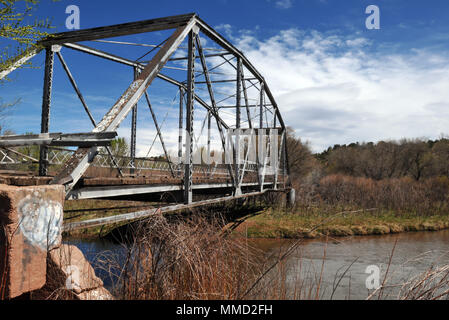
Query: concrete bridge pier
[[31, 246]]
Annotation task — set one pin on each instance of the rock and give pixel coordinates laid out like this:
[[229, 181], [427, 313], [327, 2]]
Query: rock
[[70, 277], [30, 225], [78, 272], [96, 294]]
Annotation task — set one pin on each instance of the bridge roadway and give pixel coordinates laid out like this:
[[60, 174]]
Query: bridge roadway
[[107, 187]]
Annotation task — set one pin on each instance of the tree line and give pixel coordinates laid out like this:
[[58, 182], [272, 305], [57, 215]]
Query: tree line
[[415, 158]]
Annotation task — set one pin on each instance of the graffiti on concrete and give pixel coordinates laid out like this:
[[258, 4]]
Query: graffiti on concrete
[[40, 221]]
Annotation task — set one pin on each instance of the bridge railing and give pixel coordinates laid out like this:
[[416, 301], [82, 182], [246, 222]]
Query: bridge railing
[[58, 156]]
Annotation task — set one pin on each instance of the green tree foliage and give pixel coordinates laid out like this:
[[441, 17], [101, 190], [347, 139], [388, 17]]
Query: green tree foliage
[[16, 27], [31, 151], [119, 147]]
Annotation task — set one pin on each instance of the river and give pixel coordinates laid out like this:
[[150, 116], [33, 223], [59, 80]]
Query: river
[[414, 253]]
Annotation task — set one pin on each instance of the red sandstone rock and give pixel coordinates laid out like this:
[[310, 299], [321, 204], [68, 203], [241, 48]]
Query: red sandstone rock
[[95, 294]]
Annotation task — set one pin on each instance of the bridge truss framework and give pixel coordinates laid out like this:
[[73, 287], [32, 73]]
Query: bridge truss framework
[[190, 27]]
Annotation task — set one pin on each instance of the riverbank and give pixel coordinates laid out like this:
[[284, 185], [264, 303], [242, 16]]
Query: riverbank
[[275, 223]]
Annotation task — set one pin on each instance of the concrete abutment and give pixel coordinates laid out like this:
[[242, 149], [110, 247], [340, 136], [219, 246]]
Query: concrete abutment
[[31, 246]]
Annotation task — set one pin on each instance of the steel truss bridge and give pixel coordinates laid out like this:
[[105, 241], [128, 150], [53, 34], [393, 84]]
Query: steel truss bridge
[[211, 79]]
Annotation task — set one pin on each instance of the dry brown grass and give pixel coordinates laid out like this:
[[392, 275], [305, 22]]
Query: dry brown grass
[[182, 260], [192, 259], [430, 285], [426, 197]]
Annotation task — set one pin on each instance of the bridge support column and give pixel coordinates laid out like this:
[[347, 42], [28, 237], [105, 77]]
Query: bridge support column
[[261, 149], [181, 115], [46, 102], [30, 226], [33, 260], [274, 155], [134, 130], [188, 164], [238, 190]]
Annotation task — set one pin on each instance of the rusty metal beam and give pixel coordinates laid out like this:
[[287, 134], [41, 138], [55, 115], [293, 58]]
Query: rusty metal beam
[[245, 94], [75, 87], [188, 164], [59, 139], [181, 107], [249, 106], [207, 56], [237, 126], [134, 128], [103, 54], [21, 154], [224, 81], [147, 213], [119, 29], [46, 102]]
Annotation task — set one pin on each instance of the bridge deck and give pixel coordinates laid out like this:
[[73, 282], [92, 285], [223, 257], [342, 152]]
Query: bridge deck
[[102, 187]]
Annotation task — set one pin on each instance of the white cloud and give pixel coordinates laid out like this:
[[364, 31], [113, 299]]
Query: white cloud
[[284, 4], [225, 29], [334, 89]]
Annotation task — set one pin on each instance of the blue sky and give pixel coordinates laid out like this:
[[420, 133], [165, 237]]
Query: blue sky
[[334, 80]]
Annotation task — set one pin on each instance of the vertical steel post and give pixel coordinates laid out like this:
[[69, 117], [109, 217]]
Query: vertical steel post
[[262, 102], [238, 190], [181, 114], [284, 158], [260, 138], [188, 165], [46, 103], [134, 130], [286, 161]]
